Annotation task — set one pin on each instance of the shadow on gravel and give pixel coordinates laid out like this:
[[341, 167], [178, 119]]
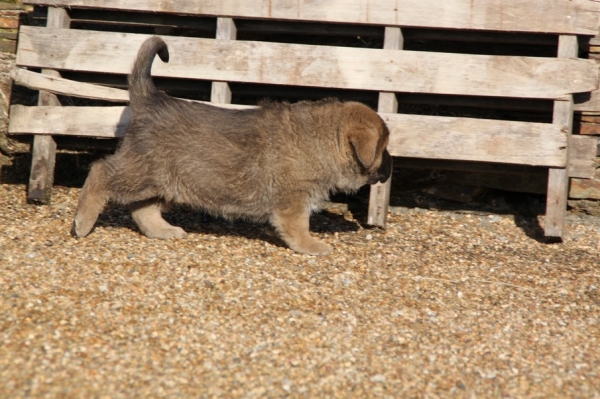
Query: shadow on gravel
[[532, 228], [198, 222]]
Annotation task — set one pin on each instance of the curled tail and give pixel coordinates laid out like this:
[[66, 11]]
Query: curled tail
[[141, 85]]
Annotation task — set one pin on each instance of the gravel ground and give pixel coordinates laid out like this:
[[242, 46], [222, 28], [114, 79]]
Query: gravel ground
[[441, 304]]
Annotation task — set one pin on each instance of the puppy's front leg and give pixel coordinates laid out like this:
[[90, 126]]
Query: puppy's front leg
[[292, 225], [147, 215]]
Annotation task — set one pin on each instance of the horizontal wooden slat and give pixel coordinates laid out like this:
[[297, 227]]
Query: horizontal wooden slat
[[481, 140], [101, 122], [418, 136], [559, 16], [307, 65], [66, 87]]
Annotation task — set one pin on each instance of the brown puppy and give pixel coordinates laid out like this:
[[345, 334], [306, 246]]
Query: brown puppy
[[275, 163]]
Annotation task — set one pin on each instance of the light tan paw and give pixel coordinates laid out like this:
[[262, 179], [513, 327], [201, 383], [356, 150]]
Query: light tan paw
[[312, 247], [165, 233]]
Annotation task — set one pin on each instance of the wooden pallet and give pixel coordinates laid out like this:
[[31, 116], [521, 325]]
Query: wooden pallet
[[393, 72]]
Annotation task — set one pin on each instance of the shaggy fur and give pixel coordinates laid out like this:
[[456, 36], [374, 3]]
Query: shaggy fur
[[275, 163]]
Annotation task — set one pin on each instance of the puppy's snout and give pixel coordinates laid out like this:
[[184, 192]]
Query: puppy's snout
[[383, 173], [385, 169]]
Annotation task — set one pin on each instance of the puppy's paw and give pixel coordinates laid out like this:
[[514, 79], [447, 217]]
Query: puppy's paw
[[312, 247], [81, 227], [165, 233]]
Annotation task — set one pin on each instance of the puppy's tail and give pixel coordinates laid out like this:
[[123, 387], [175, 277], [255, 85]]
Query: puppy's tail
[[141, 86]]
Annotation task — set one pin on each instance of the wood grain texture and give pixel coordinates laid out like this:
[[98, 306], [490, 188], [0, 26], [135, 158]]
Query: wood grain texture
[[419, 136], [379, 196], [220, 91], [101, 122], [559, 16], [317, 66], [467, 139], [558, 179]]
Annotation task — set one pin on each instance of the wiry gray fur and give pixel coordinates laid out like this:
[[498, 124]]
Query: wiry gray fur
[[275, 163]]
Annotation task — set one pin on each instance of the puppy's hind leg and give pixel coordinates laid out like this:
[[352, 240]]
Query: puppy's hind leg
[[93, 197], [147, 215], [292, 225]]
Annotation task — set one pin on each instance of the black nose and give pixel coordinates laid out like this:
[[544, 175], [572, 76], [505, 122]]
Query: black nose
[[385, 170]]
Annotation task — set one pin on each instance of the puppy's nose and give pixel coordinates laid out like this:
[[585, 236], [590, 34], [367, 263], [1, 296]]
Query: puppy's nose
[[385, 169]]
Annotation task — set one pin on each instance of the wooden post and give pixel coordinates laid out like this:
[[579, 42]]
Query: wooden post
[[220, 91], [558, 179], [43, 157], [380, 193]]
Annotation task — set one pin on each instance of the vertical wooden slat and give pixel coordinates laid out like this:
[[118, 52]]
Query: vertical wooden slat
[[41, 177], [220, 91], [558, 179], [380, 193]]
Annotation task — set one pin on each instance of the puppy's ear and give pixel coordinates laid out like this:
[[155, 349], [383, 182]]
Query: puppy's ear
[[364, 143]]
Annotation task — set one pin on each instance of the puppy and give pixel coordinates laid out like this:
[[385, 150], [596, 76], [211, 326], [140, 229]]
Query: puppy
[[276, 163]]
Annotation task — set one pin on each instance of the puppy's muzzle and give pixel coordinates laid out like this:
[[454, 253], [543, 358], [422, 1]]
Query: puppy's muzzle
[[384, 172]]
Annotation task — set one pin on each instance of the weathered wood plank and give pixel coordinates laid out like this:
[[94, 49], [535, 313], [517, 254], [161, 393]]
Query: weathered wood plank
[[101, 122], [67, 87], [418, 136], [560, 16], [379, 196], [43, 152], [558, 179], [72, 88], [466, 139], [320, 66]]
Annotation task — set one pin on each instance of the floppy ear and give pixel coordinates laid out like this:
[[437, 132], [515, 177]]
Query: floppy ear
[[364, 143]]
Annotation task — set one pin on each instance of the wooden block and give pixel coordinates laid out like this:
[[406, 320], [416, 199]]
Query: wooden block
[[589, 128], [588, 117], [43, 157], [586, 188], [379, 197], [9, 20], [316, 66], [560, 16], [582, 156]]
